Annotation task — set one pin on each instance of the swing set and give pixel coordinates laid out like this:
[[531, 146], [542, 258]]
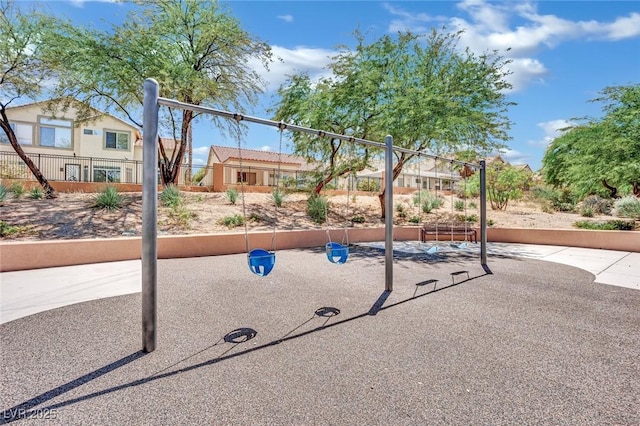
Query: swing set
[[260, 261]]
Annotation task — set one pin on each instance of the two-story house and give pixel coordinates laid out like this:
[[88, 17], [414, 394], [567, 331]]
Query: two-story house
[[101, 148]]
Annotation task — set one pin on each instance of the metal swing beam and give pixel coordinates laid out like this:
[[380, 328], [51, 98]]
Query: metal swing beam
[[151, 105]]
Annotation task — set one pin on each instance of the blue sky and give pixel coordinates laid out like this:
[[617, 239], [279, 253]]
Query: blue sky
[[563, 52]]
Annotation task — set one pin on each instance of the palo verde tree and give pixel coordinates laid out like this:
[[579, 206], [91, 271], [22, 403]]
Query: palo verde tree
[[23, 73], [195, 49], [423, 90], [601, 155]]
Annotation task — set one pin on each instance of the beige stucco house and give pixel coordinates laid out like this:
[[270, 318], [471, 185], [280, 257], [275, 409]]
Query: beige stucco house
[[102, 148]]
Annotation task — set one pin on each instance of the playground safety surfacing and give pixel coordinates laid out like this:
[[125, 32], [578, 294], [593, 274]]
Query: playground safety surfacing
[[318, 343]]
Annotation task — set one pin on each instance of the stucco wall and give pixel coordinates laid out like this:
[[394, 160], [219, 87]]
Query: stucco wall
[[42, 254]]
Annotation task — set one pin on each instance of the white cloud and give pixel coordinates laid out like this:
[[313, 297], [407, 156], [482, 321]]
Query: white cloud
[[551, 129], [201, 150], [488, 26], [80, 3], [292, 61], [286, 18], [515, 157], [199, 162], [266, 148]]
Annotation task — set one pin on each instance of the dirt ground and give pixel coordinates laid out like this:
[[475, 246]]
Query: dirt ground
[[72, 216]]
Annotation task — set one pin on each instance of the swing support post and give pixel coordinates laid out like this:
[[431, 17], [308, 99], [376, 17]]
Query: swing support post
[[149, 215], [388, 216], [483, 213]]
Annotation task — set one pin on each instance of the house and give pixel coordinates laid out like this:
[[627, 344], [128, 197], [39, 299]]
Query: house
[[102, 148], [232, 166]]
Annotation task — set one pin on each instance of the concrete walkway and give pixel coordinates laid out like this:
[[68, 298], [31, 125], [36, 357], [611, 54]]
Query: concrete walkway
[[24, 293]]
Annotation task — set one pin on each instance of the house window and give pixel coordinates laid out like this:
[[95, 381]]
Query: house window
[[106, 174], [116, 140], [23, 132], [91, 132], [55, 133]]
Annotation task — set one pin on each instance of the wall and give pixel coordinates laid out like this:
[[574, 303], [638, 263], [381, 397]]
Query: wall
[[22, 255]]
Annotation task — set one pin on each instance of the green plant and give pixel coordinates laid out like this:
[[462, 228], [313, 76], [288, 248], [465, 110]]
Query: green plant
[[232, 221], [414, 219], [36, 193], [473, 205], [610, 225], [232, 195], [430, 204], [17, 189], [170, 196], [490, 222], [401, 210], [181, 215], [628, 207], [199, 175], [317, 206], [108, 199], [278, 197], [358, 219], [255, 217], [597, 205], [586, 212], [7, 230], [370, 185], [472, 218], [458, 205], [3, 193]]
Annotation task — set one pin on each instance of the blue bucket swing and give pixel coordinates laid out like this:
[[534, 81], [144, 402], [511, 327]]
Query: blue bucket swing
[[259, 260], [338, 253]]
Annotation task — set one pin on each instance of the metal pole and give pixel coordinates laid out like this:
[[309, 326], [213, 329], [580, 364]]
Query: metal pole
[[388, 213], [149, 215], [483, 212]]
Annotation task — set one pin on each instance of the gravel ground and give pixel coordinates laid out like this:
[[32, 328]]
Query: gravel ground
[[316, 343]]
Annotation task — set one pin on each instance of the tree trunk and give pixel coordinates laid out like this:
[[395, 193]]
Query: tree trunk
[[397, 169], [188, 173], [48, 189], [613, 191]]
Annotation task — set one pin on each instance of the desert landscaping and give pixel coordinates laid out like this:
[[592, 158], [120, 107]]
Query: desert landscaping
[[71, 215]]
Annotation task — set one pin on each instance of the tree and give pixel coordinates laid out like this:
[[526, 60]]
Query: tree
[[600, 155], [23, 73], [504, 183], [195, 49], [424, 91]]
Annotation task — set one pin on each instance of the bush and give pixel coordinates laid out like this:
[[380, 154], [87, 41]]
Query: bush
[[358, 219], [232, 195], [610, 225], [3, 193], [36, 194], [628, 207], [181, 215], [317, 208], [597, 205], [586, 212], [7, 230], [473, 205], [232, 221], [108, 199], [458, 205], [562, 200], [278, 197], [431, 204], [17, 189], [170, 196], [414, 219], [371, 185], [401, 210]]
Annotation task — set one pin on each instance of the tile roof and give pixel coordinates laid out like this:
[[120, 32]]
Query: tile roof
[[224, 153]]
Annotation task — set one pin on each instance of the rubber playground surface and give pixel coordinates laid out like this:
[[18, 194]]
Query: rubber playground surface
[[315, 343]]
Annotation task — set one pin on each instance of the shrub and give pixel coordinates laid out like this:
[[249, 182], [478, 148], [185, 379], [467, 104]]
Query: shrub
[[7, 230], [472, 218], [3, 193], [401, 210], [36, 194], [473, 205], [181, 215], [610, 225], [431, 203], [358, 219], [278, 197], [170, 196], [108, 199], [414, 219], [586, 212], [490, 222], [628, 207], [597, 205], [458, 205], [232, 195], [17, 189], [232, 221], [559, 199], [317, 208], [371, 185]]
